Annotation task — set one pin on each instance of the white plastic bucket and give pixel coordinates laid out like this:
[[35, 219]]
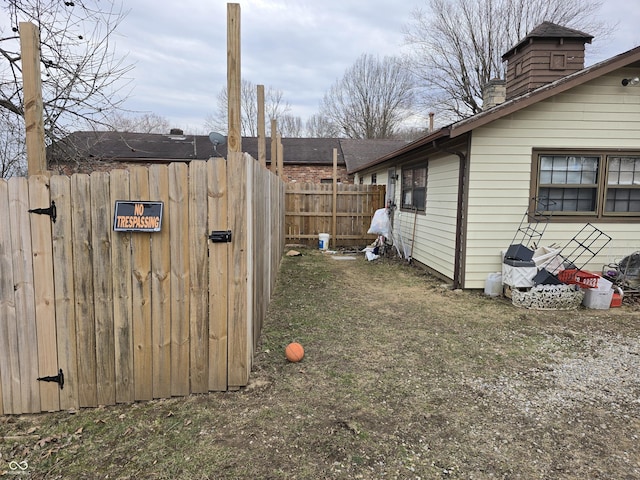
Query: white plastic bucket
[[493, 285], [323, 241]]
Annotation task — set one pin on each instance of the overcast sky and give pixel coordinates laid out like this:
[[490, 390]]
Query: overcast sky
[[300, 47]]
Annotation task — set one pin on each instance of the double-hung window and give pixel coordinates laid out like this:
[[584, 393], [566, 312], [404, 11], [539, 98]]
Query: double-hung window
[[587, 184], [414, 188], [622, 195]]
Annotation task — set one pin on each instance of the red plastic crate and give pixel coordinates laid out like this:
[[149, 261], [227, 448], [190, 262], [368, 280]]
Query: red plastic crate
[[579, 277]]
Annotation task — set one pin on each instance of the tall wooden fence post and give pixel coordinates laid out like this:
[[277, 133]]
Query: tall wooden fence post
[[33, 107], [234, 138], [280, 155], [274, 145], [262, 142], [334, 229]]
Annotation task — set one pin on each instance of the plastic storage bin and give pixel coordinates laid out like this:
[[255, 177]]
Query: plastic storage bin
[[600, 297]]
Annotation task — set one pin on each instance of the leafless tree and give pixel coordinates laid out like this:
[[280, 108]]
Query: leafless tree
[[318, 126], [275, 108], [82, 79], [457, 45], [290, 126], [409, 133], [144, 123], [372, 98], [12, 145]]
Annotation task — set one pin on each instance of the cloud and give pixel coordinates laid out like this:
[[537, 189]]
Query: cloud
[[300, 47]]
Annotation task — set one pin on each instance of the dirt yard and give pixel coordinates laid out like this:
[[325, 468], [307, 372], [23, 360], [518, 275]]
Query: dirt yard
[[402, 379]]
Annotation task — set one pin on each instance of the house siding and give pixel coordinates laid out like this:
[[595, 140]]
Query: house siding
[[435, 230], [600, 114]]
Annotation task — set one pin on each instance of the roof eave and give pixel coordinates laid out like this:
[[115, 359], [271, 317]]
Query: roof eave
[[443, 132], [546, 91]]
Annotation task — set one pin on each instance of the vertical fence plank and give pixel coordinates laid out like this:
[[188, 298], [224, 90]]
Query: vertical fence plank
[[101, 224], [262, 244], [64, 290], [9, 365], [250, 254], [273, 231], [141, 288], [44, 291], [161, 286], [24, 294], [5, 234], [179, 233], [218, 275], [199, 276], [238, 301], [122, 294], [83, 288], [259, 242]]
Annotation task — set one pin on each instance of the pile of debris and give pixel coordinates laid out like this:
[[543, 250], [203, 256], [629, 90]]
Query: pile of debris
[[554, 277]]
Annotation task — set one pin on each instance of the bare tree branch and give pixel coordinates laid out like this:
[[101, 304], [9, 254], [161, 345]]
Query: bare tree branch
[[83, 79], [457, 45], [318, 126], [275, 108], [372, 99]]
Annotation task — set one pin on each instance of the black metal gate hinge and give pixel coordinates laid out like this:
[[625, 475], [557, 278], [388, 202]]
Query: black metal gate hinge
[[220, 236], [59, 379], [51, 211]]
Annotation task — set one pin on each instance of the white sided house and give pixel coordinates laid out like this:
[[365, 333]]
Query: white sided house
[[562, 134]]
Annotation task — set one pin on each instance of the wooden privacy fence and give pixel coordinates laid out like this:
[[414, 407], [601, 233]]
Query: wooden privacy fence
[[128, 316], [314, 208]]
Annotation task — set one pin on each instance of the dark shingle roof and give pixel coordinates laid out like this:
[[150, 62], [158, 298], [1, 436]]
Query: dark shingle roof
[[360, 152], [548, 30], [140, 147], [551, 30]]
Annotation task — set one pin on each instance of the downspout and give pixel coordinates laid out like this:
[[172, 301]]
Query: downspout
[[461, 210]]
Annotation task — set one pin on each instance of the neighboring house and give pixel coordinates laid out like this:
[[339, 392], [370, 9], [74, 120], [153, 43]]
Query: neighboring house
[[565, 135], [304, 159]]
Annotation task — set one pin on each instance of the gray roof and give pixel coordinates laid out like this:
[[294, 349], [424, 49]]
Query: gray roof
[[548, 30], [360, 152], [153, 147]]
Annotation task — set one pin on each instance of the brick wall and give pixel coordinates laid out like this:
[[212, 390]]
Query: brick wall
[[314, 173], [86, 166]]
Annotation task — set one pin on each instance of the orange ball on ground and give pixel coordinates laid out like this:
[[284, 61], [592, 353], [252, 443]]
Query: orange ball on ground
[[294, 352]]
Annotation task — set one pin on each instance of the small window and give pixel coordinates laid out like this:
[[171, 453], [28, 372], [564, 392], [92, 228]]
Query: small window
[[374, 178], [414, 188]]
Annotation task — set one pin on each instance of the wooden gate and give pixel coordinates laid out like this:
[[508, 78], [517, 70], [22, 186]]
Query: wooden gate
[[345, 213], [123, 316]]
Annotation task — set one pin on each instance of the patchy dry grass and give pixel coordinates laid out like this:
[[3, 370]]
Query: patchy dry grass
[[402, 378]]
